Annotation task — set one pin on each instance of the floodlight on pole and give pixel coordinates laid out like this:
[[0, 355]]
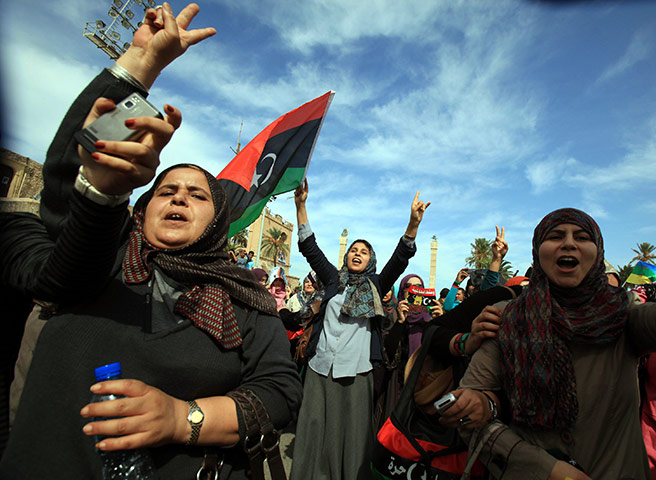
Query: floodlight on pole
[[108, 38]]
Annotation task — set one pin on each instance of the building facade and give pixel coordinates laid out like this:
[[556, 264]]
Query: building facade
[[21, 182]]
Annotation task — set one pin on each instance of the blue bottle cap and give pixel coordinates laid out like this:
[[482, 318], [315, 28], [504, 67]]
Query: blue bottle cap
[[107, 371]]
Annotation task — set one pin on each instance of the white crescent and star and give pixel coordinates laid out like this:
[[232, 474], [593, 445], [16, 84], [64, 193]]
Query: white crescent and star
[[256, 176]]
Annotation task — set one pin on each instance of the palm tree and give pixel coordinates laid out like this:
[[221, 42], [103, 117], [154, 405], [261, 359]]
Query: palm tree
[[624, 272], [481, 253], [645, 253], [239, 239], [506, 269], [274, 244]]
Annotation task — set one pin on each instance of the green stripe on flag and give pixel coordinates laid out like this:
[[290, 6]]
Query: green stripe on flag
[[291, 179]]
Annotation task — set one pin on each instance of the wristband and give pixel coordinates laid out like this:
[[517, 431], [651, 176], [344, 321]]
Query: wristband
[[456, 342], [87, 190], [463, 352], [493, 407], [459, 344], [121, 73]]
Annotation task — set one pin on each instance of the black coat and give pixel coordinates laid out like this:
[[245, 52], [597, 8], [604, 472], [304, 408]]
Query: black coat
[[329, 275]]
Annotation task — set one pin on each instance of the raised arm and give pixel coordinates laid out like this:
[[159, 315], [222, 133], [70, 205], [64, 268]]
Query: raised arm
[[451, 296], [499, 251], [406, 248], [306, 240], [300, 196], [158, 41], [161, 39], [417, 209]]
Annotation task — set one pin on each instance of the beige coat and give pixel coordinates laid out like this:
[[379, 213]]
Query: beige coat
[[606, 439]]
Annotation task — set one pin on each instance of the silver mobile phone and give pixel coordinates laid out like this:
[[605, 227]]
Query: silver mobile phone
[[111, 125], [443, 404]]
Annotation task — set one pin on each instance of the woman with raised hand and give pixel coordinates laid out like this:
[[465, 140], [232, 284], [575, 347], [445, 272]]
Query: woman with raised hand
[[566, 356], [159, 40], [334, 434], [156, 292], [186, 324]]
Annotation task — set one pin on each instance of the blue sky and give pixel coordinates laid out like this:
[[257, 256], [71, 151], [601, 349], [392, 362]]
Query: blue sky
[[497, 111]]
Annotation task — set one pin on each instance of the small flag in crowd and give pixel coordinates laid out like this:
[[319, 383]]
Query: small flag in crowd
[[274, 162], [642, 273]]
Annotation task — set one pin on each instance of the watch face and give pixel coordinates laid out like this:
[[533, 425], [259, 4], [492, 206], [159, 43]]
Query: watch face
[[196, 416]]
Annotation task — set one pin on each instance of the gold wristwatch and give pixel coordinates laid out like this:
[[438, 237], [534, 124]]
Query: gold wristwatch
[[195, 419]]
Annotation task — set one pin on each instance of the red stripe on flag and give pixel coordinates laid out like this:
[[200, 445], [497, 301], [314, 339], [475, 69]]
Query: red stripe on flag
[[309, 111], [241, 168]]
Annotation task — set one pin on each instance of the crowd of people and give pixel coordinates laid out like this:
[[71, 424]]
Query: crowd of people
[[217, 353]]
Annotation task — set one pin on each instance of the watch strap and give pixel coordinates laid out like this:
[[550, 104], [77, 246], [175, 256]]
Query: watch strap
[[195, 426], [494, 412]]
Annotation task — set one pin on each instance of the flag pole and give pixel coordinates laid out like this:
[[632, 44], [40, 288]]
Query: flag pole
[[259, 243]]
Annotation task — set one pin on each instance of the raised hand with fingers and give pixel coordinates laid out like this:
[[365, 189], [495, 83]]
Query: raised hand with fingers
[[300, 196], [301, 193], [462, 274], [417, 210], [120, 167], [499, 246], [161, 39]]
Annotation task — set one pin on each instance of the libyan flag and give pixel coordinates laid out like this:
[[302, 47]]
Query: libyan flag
[[642, 273], [274, 162]]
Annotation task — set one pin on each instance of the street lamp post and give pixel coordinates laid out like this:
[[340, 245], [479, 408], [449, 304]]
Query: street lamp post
[[108, 38]]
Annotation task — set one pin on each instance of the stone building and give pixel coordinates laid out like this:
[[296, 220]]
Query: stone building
[[257, 235], [21, 182]]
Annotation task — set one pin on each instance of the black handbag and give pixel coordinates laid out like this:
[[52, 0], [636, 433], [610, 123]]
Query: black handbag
[[411, 444]]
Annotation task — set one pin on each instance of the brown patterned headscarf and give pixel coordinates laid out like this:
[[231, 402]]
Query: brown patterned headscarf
[[202, 265], [539, 327]]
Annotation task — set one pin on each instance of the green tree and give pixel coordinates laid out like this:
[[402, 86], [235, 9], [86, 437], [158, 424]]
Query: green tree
[[481, 257], [481, 253], [624, 273], [238, 240], [274, 243], [506, 270], [646, 252]]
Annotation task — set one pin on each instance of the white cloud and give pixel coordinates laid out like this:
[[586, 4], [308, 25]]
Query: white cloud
[[638, 50], [41, 87], [552, 172]]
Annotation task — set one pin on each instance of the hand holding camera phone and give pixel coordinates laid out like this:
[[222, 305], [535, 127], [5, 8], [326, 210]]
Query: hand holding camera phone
[[111, 125], [444, 403], [112, 165]]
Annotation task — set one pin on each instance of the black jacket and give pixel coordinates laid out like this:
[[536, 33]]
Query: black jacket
[[329, 275]]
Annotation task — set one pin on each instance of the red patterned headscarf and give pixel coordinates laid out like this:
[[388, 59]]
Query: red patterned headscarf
[[203, 266], [544, 320]]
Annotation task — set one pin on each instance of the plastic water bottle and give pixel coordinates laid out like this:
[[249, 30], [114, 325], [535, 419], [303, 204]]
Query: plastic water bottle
[[121, 464]]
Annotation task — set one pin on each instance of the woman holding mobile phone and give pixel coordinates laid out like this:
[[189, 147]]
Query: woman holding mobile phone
[[196, 335], [566, 356]]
